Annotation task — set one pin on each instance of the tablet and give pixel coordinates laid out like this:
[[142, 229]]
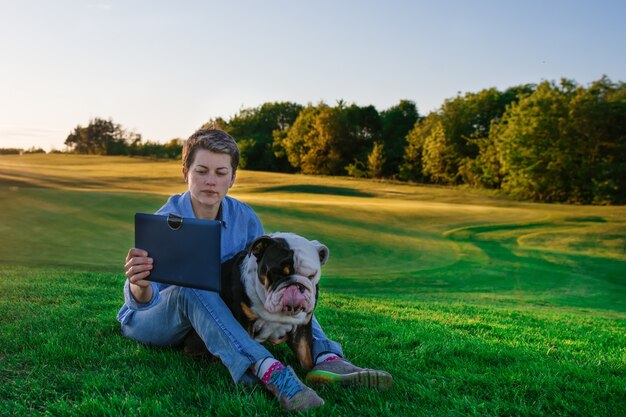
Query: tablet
[[186, 251]]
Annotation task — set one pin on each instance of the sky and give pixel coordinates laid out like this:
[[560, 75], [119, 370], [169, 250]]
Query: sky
[[163, 68]]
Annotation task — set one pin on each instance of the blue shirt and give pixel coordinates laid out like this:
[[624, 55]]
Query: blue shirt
[[240, 226]]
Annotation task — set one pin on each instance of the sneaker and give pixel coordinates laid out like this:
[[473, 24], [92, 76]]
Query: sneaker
[[293, 395], [340, 371]]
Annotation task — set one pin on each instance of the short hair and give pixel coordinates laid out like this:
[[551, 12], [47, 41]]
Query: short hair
[[213, 140]]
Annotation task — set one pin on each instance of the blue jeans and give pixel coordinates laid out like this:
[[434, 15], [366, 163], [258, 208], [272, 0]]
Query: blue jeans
[[168, 319]]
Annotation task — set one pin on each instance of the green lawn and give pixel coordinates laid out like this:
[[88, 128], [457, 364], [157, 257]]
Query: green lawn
[[477, 304]]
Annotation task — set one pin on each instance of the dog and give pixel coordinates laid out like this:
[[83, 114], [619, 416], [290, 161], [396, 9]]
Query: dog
[[272, 290]]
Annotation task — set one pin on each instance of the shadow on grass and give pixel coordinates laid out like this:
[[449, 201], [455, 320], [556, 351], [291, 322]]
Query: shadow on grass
[[10, 180], [590, 219], [316, 189]]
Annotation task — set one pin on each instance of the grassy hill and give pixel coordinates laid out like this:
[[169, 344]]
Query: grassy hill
[[477, 304]]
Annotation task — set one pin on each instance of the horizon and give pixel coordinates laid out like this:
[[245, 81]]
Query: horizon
[[163, 70]]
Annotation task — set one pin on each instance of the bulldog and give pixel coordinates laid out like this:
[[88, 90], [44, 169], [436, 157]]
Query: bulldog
[[272, 290]]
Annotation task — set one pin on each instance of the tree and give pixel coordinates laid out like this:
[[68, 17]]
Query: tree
[[255, 128], [217, 123], [486, 110], [364, 128], [597, 116], [34, 149], [101, 137], [535, 155], [396, 123], [11, 151], [445, 147], [323, 143], [294, 141], [412, 167], [466, 122], [376, 161], [328, 140], [566, 143], [440, 160]]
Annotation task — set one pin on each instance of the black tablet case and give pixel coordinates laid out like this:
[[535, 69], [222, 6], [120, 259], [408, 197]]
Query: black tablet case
[[186, 251]]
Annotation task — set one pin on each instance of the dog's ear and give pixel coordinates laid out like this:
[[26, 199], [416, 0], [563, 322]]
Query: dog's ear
[[259, 246], [322, 250]]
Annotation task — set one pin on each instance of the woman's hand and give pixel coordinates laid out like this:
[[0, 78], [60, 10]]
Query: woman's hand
[[137, 268]]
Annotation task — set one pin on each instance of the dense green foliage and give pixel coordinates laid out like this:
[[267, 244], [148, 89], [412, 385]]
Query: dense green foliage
[[552, 142], [255, 129], [20, 151], [566, 143], [104, 137], [325, 140], [478, 305], [444, 146], [548, 142], [101, 137]]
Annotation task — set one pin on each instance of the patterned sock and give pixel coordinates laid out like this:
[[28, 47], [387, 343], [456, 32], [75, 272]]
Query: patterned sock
[[264, 368], [325, 357]]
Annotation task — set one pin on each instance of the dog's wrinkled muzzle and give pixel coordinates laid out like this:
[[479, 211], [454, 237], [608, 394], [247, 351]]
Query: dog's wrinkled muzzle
[[290, 299], [293, 300]]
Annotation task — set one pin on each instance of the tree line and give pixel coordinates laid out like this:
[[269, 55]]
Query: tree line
[[556, 142], [20, 151], [104, 137], [552, 141]]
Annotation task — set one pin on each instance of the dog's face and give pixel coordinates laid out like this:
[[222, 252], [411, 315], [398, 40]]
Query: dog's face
[[288, 272]]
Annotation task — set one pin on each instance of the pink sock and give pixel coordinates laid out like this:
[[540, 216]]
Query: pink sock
[[276, 366], [326, 357], [266, 367]]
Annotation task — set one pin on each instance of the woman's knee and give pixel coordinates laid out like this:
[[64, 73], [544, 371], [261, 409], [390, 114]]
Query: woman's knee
[[162, 325], [143, 333], [153, 335]]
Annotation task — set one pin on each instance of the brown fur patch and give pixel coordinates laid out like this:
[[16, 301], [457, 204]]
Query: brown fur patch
[[303, 353], [279, 341], [266, 280], [248, 312]]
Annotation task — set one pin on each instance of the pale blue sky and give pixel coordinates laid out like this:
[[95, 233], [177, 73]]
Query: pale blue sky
[[162, 68]]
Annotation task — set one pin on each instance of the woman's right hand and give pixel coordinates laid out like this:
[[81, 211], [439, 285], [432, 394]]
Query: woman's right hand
[[138, 266]]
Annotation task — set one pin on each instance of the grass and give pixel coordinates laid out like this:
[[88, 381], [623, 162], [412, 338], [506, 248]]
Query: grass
[[477, 304]]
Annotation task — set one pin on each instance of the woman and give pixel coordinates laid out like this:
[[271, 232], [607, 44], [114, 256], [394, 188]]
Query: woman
[[162, 315]]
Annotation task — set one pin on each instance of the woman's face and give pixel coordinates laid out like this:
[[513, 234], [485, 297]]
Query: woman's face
[[209, 177]]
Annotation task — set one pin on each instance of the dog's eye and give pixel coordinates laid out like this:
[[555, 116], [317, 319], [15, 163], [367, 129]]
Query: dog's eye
[[312, 276]]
